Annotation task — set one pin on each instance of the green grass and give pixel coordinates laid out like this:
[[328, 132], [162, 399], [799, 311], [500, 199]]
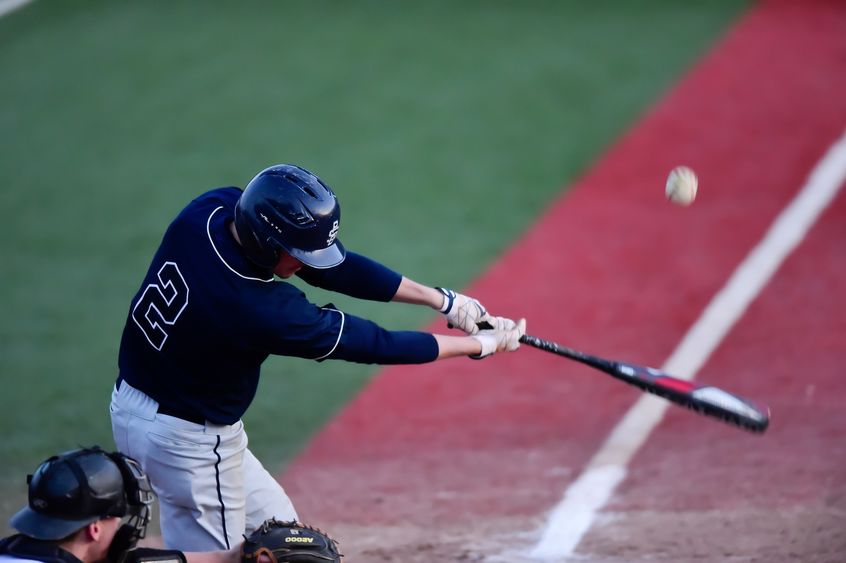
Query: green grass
[[445, 128]]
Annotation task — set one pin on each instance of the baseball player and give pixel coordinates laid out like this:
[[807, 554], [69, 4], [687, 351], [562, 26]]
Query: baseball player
[[90, 506], [210, 310]]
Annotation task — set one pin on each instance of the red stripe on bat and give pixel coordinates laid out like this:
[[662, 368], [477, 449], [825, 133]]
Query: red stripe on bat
[[675, 384]]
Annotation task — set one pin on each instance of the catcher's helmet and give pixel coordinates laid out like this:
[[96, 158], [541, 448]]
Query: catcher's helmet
[[288, 208], [73, 489]]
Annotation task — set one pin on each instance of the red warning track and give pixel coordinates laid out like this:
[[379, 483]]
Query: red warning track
[[436, 456]]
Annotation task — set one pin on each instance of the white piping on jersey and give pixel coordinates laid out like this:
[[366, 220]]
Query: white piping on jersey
[[208, 231], [340, 332]]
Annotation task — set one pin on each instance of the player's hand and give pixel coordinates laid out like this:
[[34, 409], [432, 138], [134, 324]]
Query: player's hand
[[500, 340], [464, 312], [498, 323]]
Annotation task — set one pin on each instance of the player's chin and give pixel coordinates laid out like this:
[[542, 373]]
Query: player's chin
[[287, 273]]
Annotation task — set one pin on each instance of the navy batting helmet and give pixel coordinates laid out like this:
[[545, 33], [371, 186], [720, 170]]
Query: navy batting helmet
[[288, 208]]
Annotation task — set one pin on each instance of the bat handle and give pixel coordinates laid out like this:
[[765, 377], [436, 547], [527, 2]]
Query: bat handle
[[549, 346], [483, 325], [536, 342]]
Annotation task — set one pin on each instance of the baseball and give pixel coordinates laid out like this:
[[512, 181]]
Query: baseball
[[681, 185]]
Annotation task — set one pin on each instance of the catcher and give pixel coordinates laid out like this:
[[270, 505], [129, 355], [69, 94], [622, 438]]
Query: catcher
[[92, 506]]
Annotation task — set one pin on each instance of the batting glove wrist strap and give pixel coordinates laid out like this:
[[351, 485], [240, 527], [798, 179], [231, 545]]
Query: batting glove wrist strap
[[449, 299], [464, 312]]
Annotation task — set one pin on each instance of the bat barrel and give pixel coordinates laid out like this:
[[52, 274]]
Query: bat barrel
[[706, 400]]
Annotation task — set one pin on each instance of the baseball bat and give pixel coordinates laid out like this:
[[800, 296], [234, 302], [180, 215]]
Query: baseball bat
[[704, 399]]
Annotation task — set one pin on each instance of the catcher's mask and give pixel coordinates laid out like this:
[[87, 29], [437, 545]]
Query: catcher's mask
[[139, 499]]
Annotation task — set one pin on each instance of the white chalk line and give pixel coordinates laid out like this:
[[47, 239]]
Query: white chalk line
[[573, 516], [8, 6]]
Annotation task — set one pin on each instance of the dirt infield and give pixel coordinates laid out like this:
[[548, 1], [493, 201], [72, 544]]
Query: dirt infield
[[461, 461]]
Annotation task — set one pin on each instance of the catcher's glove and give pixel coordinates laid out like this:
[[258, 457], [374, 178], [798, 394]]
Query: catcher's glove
[[289, 542]]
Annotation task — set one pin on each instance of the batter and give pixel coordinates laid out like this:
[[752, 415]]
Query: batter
[[214, 305]]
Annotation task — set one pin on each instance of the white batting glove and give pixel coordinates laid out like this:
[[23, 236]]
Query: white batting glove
[[464, 312], [501, 323], [495, 340]]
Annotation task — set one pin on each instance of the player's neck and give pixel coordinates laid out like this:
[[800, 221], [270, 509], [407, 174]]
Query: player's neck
[[234, 232], [77, 549]]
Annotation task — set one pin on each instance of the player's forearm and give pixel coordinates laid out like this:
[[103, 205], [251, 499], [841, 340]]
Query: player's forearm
[[453, 346], [410, 291]]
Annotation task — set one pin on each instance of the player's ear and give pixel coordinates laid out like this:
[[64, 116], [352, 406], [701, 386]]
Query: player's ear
[[92, 531]]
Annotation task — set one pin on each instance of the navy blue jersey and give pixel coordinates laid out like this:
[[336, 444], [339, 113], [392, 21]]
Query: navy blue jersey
[[205, 317]]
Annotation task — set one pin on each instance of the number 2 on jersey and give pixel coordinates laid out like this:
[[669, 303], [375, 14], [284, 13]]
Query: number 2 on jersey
[[161, 304]]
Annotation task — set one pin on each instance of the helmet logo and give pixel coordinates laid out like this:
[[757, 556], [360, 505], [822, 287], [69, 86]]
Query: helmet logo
[[333, 232]]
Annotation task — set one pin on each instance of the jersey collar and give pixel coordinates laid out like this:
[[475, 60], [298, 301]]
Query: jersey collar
[[228, 250]]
